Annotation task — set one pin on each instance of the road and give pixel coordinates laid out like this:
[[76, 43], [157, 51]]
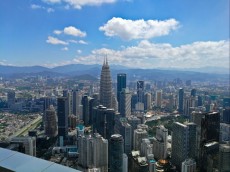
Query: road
[[30, 126]]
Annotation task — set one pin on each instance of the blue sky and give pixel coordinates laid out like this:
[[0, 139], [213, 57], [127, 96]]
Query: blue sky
[[134, 33]]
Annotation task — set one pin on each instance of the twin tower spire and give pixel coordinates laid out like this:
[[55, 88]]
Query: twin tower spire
[[106, 85]]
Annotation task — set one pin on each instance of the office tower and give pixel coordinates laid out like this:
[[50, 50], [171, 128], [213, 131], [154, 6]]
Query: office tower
[[67, 94], [226, 102], [103, 121], [193, 92], [72, 121], [10, 98], [139, 134], [125, 129], [183, 142], [158, 98], [187, 104], [50, 122], [106, 86], [47, 101], [25, 145], [77, 97], [210, 157], [146, 147], [148, 101], [92, 103], [224, 132], [208, 130], [121, 83], [181, 100], [116, 151], [114, 103], [85, 110], [133, 121], [62, 113], [226, 116], [160, 143], [125, 163], [140, 91], [93, 152], [189, 165], [133, 101], [200, 101], [125, 103], [224, 157]]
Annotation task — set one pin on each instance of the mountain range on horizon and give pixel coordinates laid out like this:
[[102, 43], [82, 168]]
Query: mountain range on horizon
[[94, 70]]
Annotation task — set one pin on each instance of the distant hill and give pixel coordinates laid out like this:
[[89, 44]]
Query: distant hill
[[89, 71]]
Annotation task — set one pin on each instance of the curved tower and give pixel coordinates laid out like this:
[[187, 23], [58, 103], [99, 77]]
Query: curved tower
[[106, 86]]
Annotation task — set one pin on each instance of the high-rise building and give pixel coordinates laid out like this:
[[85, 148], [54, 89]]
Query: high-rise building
[[26, 145], [103, 121], [193, 92], [158, 98], [62, 113], [106, 86], [140, 91], [181, 100], [189, 165], [10, 98], [133, 121], [93, 152], [160, 143], [226, 116], [116, 151], [68, 95], [50, 122], [146, 147], [85, 110], [139, 134], [208, 130], [148, 101], [121, 83], [183, 142], [125, 103], [77, 97], [224, 157]]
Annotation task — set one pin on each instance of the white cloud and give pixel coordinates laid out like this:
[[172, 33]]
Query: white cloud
[[50, 10], [79, 51], [82, 42], [71, 30], [52, 1], [34, 6], [150, 55], [65, 49], [73, 41], [57, 32], [138, 29], [55, 41], [78, 4]]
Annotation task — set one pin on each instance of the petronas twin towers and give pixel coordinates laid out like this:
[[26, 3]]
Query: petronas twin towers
[[106, 86]]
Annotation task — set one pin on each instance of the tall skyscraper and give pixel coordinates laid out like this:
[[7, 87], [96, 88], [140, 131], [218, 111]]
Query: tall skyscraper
[[103, 121], [106, 86], [125, 103], [85, 104], [148, 101], [224, 157], [10, 98], [76, 102], [140, 91], [62, 113], [193, 92], [208, 131], [160, 143], [158, 98], [93, 152], [121, 83], [183, 142], [50, 122], [181, 100], [116, 150], [189, 165], [139, 134]]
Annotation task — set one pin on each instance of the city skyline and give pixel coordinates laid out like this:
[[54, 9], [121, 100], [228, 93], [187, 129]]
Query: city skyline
[[153, 34]]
